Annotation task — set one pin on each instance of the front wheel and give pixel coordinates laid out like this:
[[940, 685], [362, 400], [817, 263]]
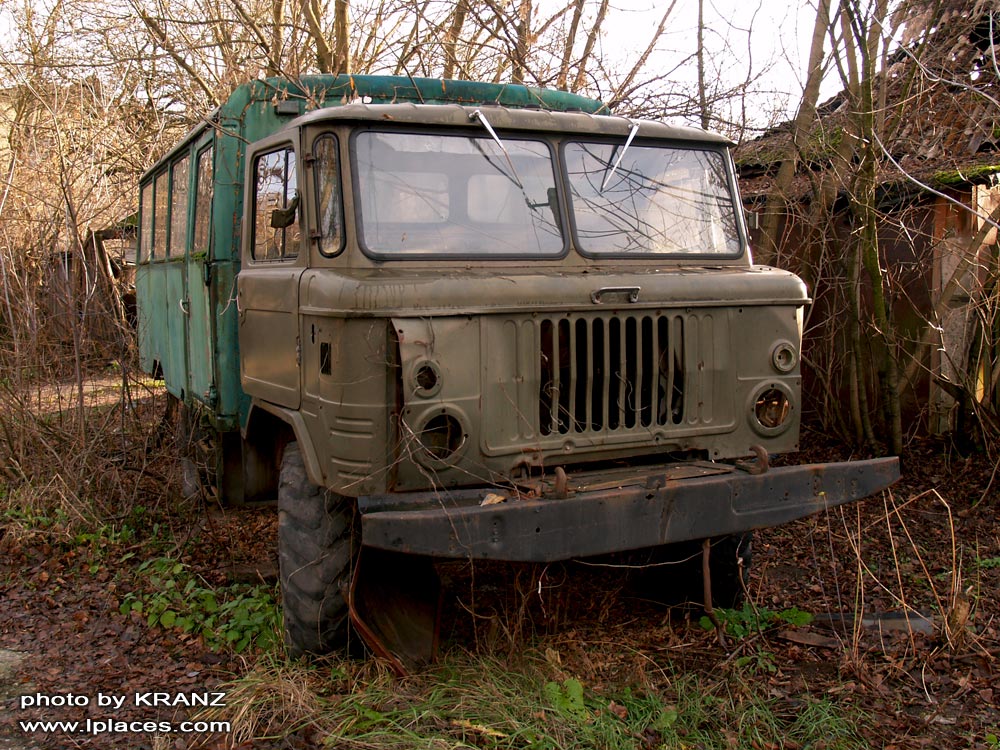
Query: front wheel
[[318, 545]]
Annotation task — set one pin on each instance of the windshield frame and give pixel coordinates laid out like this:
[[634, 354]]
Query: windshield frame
[[475, 132], [673, 145]]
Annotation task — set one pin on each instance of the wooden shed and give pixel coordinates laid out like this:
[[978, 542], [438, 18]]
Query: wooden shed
[[938, 183]]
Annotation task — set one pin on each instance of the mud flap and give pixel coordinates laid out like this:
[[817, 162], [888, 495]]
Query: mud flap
[[394, 603]]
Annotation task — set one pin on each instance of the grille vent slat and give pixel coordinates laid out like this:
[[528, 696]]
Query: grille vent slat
[[612, 373]]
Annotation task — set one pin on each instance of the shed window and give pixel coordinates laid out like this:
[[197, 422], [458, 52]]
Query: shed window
[[146, 223], [162, 199]]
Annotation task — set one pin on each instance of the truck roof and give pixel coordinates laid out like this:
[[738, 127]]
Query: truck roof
[[507, 118]]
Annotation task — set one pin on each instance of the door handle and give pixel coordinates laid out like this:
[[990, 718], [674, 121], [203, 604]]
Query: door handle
[[185, 306], [597, 295]]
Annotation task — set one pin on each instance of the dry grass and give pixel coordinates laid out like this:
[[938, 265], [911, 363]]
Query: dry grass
[[68, 470]]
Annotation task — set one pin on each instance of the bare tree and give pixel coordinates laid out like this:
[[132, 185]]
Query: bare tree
[[805, 119]]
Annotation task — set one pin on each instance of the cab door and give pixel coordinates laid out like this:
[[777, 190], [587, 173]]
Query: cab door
[[268, 282]]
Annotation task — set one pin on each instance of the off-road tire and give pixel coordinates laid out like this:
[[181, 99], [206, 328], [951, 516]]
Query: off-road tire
[[673, 572], [318, 544]]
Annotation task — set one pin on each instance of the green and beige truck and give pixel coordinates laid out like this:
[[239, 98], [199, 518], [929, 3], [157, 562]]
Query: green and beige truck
[[447, 319]]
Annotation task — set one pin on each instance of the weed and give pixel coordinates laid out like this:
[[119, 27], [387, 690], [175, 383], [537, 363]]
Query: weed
[[739, 623], [235, 616], [31, 518], [106, 535], [985, 563], [757, 662], [567, 698]]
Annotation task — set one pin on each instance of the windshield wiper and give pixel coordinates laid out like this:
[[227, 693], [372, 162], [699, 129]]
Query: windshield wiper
[[478, 115], [628, 141], [551, 201]]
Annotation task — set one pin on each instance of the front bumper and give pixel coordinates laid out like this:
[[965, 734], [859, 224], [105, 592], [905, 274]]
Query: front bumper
[[605, 513]]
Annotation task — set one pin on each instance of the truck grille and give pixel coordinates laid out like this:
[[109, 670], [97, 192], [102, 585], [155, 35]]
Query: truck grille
[[604, 378], [609, 374]]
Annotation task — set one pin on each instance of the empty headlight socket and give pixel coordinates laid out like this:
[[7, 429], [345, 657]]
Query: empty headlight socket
[[425, 378]]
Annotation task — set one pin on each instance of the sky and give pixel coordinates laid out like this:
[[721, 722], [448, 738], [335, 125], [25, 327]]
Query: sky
[[777, 48]]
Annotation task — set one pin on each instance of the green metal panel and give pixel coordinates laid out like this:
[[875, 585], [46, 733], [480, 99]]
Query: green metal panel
[[174, 360], [227, 211], [201, 376], [145, 306], [151, 302]]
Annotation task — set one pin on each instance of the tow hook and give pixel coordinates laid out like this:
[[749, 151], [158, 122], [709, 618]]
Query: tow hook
[[562, 484], [760, 466]]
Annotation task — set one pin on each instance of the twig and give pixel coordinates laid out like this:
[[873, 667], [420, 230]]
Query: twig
[[706, 577]]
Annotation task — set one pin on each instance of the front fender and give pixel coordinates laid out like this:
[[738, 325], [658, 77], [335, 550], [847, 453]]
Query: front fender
[[314, 467]]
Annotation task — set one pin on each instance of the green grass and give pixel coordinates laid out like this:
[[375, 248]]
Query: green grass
[[471, 701]]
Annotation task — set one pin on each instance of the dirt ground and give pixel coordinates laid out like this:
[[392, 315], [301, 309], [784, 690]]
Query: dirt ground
[[930, 549]]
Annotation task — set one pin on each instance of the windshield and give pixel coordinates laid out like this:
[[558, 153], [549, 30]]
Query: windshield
[[429, 194], [663, 200]]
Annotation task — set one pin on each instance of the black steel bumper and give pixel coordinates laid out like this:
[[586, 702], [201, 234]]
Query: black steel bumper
[[647, 507]]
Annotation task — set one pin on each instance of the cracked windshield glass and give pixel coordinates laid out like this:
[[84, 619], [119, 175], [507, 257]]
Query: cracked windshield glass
[[668, 201]]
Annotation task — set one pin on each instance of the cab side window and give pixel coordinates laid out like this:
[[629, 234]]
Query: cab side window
[[329, 211], [276, 234]]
